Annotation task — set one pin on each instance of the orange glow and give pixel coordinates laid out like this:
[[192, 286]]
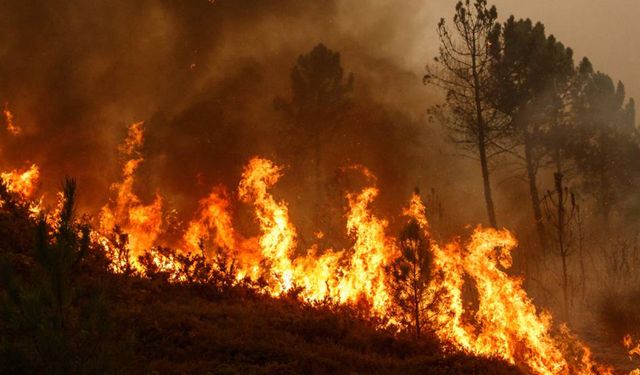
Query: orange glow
[[278, 235], [12, 128]]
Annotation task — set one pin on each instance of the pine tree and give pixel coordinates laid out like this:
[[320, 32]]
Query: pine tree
[[53, 320], [462, 72], [410, 275]]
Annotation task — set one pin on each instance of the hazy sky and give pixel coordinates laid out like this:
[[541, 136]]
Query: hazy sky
[[606, 31]]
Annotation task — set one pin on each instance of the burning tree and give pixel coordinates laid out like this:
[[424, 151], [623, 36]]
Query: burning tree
[[410, 276]]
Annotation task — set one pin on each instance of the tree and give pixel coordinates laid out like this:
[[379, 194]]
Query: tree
[[320, 94], [532, 75], [56, 321], [607, 153], [410, 275], [462, 71]]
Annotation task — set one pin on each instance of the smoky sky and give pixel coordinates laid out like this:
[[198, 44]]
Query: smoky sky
[[203, 76]]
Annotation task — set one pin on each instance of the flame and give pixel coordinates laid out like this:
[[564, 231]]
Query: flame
[[213, 216], [341, 276], [632, 350], [12, 128], [141, 222], [371, 253], [23, 183], [627, 341], [504, 323], [278, 235]]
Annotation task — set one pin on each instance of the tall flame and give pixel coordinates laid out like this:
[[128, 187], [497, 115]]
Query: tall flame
[[371, 253], [278, 235], [505, 323], [141, 222]]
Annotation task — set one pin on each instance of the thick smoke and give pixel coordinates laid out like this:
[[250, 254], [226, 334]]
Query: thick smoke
[[203, 75]]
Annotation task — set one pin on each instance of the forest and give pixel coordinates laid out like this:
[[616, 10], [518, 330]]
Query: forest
[[283, 187]]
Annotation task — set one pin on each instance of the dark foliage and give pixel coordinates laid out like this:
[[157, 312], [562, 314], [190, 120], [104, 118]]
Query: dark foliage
[[54, 318]]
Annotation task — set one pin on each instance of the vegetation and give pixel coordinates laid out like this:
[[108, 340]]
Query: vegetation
[[569, 127], [410, 275], [463, 72], [63, 312]]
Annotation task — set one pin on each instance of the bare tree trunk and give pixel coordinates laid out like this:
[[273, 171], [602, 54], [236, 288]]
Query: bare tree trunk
[[484, 164], [316, 182], [533, 191], [583, 277], [561, 244]]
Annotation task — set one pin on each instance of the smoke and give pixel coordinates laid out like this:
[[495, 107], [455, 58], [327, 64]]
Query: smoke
[[203, 76]]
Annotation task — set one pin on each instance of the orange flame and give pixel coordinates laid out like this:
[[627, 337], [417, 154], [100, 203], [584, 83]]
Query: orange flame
[[371, 253], [141, 222], [213, 216], [23, 183], [505, 323], [278, 235]]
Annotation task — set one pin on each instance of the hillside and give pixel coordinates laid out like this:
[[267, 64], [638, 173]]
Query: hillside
[[64, 312]]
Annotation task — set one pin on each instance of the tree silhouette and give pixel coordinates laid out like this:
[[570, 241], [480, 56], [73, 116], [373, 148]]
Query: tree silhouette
[[532, 73], [320, 94], [57, 323], [462, 71], [607, 153], [410, 276]]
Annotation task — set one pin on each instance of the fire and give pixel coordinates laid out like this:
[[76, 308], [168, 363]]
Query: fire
[[627, 341], [141, 222], [371, 253], [632, 350], [345, 276], [504, 323], [279, 237], [12, 128], [213, 216], [23, 183]]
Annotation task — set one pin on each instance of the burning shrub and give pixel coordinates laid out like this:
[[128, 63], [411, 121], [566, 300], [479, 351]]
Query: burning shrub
[[410, 276]]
